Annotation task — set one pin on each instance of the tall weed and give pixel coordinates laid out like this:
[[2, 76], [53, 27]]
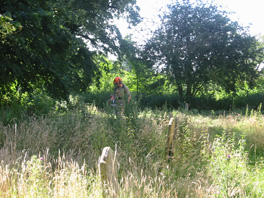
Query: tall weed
[[230, 172]]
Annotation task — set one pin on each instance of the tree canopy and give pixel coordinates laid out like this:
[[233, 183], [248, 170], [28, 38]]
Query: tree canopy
[[197, 44], [50, 50], [60, 47]]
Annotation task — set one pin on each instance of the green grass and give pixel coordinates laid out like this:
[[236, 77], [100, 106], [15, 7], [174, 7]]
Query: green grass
[[56, 155]]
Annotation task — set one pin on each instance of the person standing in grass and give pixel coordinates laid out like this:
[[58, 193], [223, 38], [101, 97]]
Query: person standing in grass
[[121, 93]]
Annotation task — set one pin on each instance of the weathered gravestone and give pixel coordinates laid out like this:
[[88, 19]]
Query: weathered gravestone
[[109, 173]]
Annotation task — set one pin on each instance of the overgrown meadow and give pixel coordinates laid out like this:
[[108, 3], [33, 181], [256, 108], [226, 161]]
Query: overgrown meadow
[[215, 154]]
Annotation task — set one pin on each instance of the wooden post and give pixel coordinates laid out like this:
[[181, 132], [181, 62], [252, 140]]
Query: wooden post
[[171, 129], [109, 173], [176, 129]]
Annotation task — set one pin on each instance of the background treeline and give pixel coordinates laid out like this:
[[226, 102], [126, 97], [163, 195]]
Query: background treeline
[[53, 50]]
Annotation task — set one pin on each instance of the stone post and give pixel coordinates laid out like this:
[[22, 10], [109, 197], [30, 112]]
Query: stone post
[[109, 173]]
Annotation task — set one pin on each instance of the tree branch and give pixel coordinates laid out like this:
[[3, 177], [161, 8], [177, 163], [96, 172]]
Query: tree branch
[[88, 38]]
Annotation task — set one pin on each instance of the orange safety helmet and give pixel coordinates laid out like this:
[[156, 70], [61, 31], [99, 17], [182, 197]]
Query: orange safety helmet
[[117, 80]]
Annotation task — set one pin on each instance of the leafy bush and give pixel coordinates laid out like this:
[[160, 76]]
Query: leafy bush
[[159, 101], [39, 104], [252, 101], [203, 102]]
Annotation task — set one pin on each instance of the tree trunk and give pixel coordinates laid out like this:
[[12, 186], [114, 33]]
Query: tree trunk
[[180, 90], [189, 90]]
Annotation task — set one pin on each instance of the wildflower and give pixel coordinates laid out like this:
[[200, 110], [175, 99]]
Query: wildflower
[[228, 157], [41, 158]]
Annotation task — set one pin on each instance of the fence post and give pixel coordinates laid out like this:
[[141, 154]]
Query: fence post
[[109, 173], [171, 129], [177, 129]]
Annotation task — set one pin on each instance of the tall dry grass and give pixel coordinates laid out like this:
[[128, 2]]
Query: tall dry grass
[[57, 155]]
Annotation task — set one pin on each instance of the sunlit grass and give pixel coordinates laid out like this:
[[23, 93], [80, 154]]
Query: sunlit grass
[[37, 177], [57, 155]]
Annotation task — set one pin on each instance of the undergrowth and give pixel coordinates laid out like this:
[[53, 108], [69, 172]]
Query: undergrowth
[[56, 155]]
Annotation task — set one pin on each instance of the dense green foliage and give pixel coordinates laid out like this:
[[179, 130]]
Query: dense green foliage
[[55, 47], [199, 44], [7, 25]]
